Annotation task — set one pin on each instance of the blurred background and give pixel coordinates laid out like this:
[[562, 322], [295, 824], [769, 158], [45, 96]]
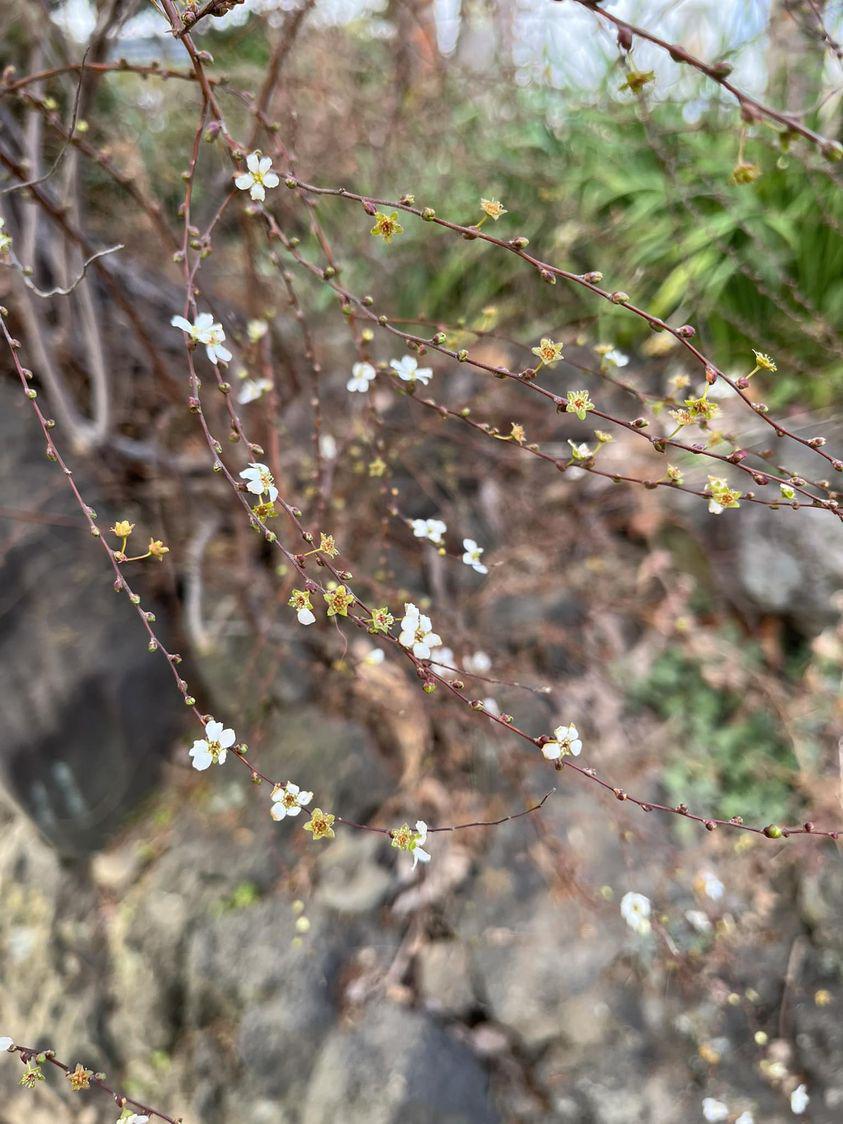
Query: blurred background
[[155, 922]]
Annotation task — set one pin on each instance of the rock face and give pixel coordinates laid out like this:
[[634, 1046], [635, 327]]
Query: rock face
[[87, 715]]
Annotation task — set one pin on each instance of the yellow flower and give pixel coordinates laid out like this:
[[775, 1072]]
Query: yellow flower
[[636, 80], [381, 620], [517, 434], [722, 496], [386, 226], [377, 467], [122, 528], [493, 208], [327, 546], [579, 403], [548, 352], [265, 509], [764, 361], [744, 172], [80, 1078], [603, 438], [701, 409], [320, 824], [339, 600], [157, 549], [31, 1075], [674, 474], [403, 837]]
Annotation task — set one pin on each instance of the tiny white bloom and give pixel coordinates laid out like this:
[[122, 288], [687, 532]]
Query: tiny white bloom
[[799, 1100], [207, 331], [635, 910], [328, 447], [714, 1111], [698, 920], [361, 375], [472, 554], [258, 177], [712, 886], [259, 480], [477, 663], [581, 452], [432, 529], [253, 389], [288, 800], [212, 749], [417, 633], [446, 666], [418, 853], [714, 507], [408, 370], [564, 743], [305, 616], [6, 1043], [256, 330], [616, 358]]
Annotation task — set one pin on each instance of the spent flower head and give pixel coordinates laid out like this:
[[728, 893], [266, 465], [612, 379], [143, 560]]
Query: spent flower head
[[493, 208], [320, 824], [300, 601], [339, 600], [386, 226], [579, 403], [548, 351]]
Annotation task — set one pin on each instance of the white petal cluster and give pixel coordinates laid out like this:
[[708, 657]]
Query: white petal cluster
[[207, 331], [6, 1043], [258, 177], [408, 370], [212, 749], [417, 633], [472, 556], [799, 1100], [259, 479], [253, 389], [288, 800], [635, 910], [432, 529], [362, 374], [416, 849], [564, 743]]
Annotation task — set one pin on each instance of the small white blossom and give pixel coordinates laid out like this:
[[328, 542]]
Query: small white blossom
[[472, 554], [288, 800], [580, 452], [712, 885], [256, 330], [259, 480], [417, 633], [432, 529], [745, 1118], [253, 389], [564, 743], [305, 616], [328, 447], [616, 358], [478, 663], [418, 853], [361, 375], [258, 177], [212, 749], [446, 666], [6, 1043], [799, 1100], [714, 1111], [635, 910], [698, 920], [408, 370], [207, 331]]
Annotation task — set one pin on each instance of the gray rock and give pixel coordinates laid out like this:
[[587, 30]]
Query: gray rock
[[397, 1067], [444, 978]]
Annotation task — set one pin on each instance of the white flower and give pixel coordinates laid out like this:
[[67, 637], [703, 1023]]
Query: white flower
[[712, 885], [288, 800], [6, 1044], [259, 480], [258, 176], [305, 615], [432, 529], [408, 370], [714, 507], [471, 557], [212, 748], [580, 452], [361, 375], [416, 850], [204, 329], [328, 447], [564, 743], [799, 1100], [714, 1111], [446, 667], [253, 389], [256, 330], [477, 663], [745, 1118], [698, 920], [635, 910], [616, 358], [417, 633]]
